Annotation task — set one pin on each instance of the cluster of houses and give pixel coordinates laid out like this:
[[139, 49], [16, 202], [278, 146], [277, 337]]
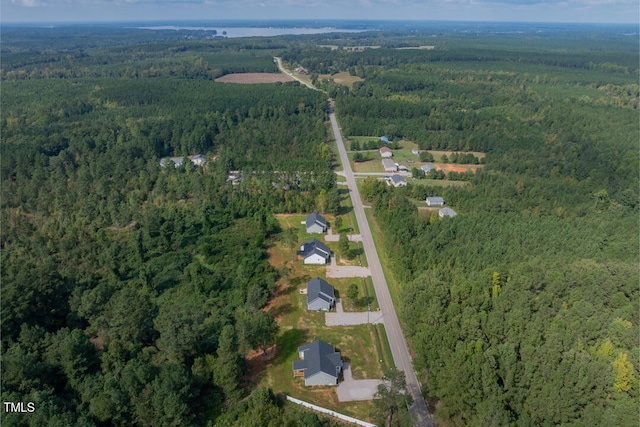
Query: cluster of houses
[[398, 181], [319, 363]]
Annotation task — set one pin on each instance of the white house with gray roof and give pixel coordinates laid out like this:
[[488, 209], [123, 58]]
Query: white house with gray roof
[[389, 165], [397, 181], [320, 364], [316, 224], [320, 295], [435, 201], [447, 212], [314, 252]]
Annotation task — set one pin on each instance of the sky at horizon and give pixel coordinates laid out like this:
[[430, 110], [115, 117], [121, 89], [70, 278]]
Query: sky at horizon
[[567, 11]]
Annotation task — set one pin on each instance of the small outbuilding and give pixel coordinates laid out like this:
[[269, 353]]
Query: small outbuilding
[[320, 364], [447, 212], [316, 224], [415, 151], [320, 295], [397, 181], [435, 201], [386, 152], [314, 252], [385, 140]]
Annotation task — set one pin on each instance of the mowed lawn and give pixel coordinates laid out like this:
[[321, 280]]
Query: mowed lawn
[[363, 346]]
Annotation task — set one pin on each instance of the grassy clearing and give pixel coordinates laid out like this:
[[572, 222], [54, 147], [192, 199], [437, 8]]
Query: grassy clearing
[[343, 78]]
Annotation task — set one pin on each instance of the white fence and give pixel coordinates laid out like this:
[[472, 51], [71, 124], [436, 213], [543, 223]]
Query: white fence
[[330, 412]]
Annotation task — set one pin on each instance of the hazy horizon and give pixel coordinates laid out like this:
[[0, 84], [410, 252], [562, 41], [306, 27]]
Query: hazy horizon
[[525, 11]]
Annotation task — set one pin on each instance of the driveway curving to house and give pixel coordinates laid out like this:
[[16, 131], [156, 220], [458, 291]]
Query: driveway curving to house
[[350, 390], [336, 271]]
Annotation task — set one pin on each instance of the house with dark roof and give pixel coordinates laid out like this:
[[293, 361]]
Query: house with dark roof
[[435, 201], [386, 152], [320, 295], [320, 364], [389, 165], [314, 252], [397, 181], [316, 224]]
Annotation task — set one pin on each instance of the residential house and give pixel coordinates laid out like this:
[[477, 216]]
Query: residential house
[[435, 201], [316, 224], [320, 364], [447, 212], [386, 152], [426, 168], [397, 181], [320, 295], [314, 252], [197, 160], [389, 165]]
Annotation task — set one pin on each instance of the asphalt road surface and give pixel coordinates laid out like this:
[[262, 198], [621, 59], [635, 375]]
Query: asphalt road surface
[[397, 342]]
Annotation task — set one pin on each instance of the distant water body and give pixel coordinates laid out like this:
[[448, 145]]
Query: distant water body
[[234, 32]]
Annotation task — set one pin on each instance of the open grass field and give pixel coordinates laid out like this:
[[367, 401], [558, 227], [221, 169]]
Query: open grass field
[[364, 346], [254, 78], [343, 78]]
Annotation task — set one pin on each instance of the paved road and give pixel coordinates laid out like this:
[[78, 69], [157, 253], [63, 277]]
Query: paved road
[[290, 74], [398, 345]]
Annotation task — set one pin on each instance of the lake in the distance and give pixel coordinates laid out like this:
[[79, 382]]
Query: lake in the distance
[[233, 32]]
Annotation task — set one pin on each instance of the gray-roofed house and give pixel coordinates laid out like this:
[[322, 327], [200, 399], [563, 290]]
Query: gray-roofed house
[[196, 160], [435, 201], [386, 152], [427, 167], [398, 181], [389, 165], [314, 252], [316, 224], [320, 364], [447, 212], [320, 295]]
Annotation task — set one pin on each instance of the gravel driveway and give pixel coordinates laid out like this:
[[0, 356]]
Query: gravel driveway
[[340, 318], [351, 390]]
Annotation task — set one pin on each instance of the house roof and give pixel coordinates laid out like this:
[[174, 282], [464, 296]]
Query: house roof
[[447, 212], [318, 288], [385, 150], [314, 218], [319, 356], [388, 164], [314, 247], [397, 179], [427, 168], [435, 200]]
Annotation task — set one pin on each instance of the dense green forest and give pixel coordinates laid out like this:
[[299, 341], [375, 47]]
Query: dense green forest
[[522, 310], [131, 293]]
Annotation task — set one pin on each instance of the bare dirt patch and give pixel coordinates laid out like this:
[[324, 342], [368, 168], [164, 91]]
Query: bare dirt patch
[[450, 167], [254, 78]]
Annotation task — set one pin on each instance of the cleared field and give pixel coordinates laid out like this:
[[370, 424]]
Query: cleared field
[[343, 78], [254, 78], [417, 47]]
